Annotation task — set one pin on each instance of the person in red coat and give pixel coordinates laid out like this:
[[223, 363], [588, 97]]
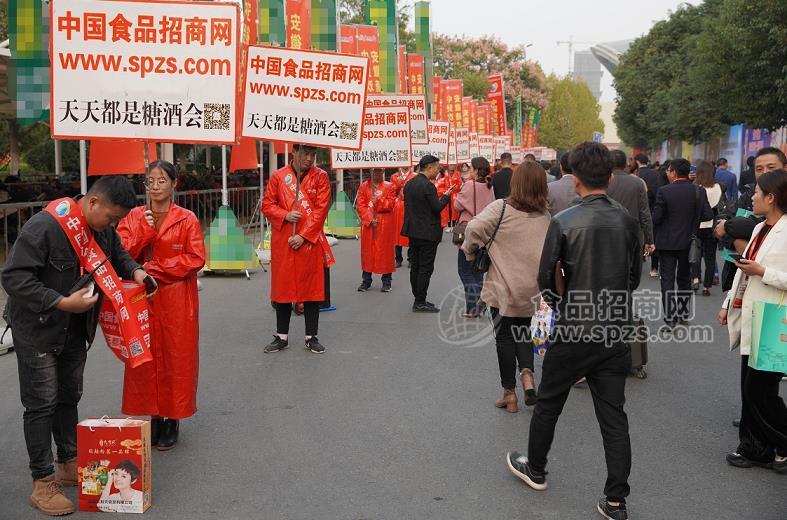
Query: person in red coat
[[442, 183], [375, 205], [399, 180], [167, 240], [296, 202]]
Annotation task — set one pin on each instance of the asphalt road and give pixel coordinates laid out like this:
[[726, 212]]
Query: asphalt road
[[397, 420]]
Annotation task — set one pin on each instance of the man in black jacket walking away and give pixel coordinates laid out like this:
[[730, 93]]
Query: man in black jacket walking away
[[597, 245], [422, 226], [53, 323]]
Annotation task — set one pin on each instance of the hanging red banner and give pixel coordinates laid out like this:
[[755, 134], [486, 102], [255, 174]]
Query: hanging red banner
[[473, 115], [415, 74], [443, 94], [436, 81], [497, 99], [466, 112], [490, 117], [244, 155], [482, 119], [453, 102], [369, 46], [348, 39], [299, 24], [402, 69], [119, 157]]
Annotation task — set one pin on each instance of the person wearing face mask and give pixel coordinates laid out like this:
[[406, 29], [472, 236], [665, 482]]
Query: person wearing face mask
[[761, 277], [54, 319], [167, 240], [296, 203]]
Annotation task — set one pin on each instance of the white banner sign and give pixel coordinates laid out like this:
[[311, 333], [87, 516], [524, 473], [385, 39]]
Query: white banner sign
[[307, 97], [437, 145], [162, 71], [502, 145], [475, 150], [452, 146], [462, 145], [417, 105], [516, 154], [486, 148], [386, 141]]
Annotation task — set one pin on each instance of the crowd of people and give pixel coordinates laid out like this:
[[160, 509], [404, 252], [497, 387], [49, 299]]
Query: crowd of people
[[589, 224]]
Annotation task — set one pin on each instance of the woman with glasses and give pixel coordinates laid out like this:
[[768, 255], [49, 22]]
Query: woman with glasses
[[167, 240]]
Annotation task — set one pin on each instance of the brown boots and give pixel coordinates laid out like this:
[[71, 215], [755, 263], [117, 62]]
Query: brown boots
[[527, 379], [67, 473], [48, 497], [508, 401]]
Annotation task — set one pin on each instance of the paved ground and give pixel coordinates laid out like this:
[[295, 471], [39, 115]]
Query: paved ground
[[394, 422]]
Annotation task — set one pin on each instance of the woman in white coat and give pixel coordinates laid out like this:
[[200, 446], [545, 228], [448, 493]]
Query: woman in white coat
[[762, 277]]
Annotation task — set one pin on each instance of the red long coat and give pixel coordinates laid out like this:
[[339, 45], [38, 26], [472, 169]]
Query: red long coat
[[442, 184], [377, 244], [167, 386], [297, 276], [399, 180]]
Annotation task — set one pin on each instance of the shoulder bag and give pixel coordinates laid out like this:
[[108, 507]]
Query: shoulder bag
[[458, 237], [482, 259]]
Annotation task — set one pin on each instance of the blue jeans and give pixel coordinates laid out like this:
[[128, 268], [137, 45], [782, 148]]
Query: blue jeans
[[50, 386], [472, 280], [367, 278]]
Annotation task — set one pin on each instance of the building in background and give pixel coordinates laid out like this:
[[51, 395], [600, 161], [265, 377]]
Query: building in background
[[588, 69]]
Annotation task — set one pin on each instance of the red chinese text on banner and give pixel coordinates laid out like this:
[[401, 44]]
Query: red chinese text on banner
[[417, 105], [486, 147], [110, 320], [92, 259], [119, 157], [248, 37], [299, 24], [348, 39], [496, 97], [439, 132], [162, 81], [308, 97], [466, 111], [453, 100], [369, 47], [415, 74], [386, 141]]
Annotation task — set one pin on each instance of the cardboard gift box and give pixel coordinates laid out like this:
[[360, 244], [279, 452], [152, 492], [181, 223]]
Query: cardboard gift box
[[114, 465]]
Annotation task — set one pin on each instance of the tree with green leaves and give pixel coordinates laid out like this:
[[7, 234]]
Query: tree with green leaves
[[571, 115]]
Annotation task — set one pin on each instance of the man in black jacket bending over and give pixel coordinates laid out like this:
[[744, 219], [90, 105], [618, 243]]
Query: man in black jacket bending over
[[52, 326], [422, 225], [597, 244]]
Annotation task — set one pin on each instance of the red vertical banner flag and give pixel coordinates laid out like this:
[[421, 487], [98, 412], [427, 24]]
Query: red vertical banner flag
[[299, 24], [369, 46], [453, 102], [402, 69], [473, 115], [466, 112], [482, 119], [496, 97], [436, 81], [442, 114], [415, 74], [348, 39], [490, 117]]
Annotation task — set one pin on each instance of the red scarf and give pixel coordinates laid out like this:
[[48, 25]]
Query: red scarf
[[68, 214]]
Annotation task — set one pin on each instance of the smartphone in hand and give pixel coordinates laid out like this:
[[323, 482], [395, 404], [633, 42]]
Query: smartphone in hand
[[736, 257], [150, 285]]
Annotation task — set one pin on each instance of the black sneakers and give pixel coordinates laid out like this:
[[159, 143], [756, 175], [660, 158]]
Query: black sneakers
[[314, 346], [386, 288], [739, 461], [518, 465], [425, 307], [363, 287], [780, 465], [609, 512], [276, 345]]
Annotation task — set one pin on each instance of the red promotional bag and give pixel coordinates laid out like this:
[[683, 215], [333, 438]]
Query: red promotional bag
[[135, 352], [114, 474]]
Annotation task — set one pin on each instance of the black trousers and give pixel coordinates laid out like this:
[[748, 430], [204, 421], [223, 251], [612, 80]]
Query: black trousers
[[763, 428], [709, 244], [514, 346], [50, 386], [606, 370], [422, 257], [674, 268], [398, 254], [311, 314]]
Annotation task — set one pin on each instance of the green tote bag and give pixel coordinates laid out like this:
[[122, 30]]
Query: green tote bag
[[769, 337]]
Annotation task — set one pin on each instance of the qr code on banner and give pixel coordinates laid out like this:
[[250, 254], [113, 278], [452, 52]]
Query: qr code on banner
[[217, 116], [348, 131], [402, 155], [136, 349]]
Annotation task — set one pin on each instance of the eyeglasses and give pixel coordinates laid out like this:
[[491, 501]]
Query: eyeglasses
[[156, 182]]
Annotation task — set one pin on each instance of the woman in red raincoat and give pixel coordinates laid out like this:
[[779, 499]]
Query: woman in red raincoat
[[399, 180], [167, 240], [376, 200]]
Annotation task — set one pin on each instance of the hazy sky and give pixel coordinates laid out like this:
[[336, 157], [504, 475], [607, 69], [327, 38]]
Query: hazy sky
[[543, 23]]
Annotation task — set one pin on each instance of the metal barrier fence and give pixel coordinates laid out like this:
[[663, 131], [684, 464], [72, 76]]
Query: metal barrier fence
[[205, 204]]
